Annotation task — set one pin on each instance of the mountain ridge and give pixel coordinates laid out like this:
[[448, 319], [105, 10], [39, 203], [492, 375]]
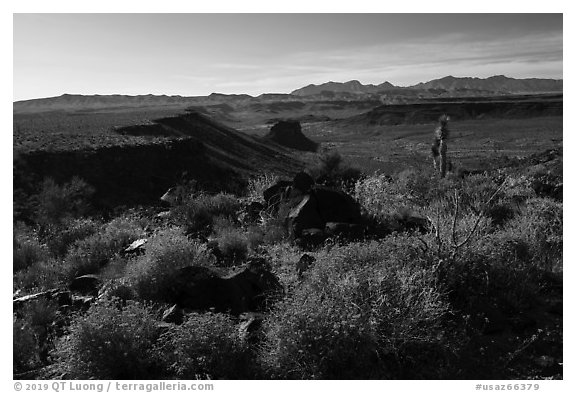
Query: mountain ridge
[[351, 90], [495, 84]]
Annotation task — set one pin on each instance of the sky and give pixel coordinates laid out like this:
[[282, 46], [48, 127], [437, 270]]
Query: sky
[[198, 54]]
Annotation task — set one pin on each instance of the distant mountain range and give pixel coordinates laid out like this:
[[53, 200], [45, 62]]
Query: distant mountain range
[[495, 84], [331, 91], [347, 87]]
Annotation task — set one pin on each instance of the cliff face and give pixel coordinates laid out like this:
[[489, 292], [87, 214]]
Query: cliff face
[[126, 175], [429, 112], [168, 151]]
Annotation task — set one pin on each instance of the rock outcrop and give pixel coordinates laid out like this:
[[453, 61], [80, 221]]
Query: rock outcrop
[[311, 212], [252, 287], [289, 133]]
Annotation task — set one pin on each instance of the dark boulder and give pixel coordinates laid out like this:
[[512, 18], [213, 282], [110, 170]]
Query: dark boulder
[[63, 298], [306, 220], [303, 182], [200, 288], [275, 193], [304, 216], [88, 284], [248, 288], [336, 206], [311, 238], [289, 134], [345, 230], [82, 303]]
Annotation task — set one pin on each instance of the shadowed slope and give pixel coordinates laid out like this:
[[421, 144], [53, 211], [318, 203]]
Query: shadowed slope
[[163, 153]]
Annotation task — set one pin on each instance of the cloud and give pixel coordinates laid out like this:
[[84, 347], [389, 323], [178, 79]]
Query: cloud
[[409, 63], [283, 66]]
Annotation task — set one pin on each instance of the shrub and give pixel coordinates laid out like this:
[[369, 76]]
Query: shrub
[[40, 313], [27, 250], [166, 252], [118, 289], [546, 182], [89, 255], [41, 276], [272, 231], [232, 242], [60, 239], [382, 196], [56, 202], [259, 183], [449, 233], [331, 170], [366, 310], [25, 346], [206, 346], [377, 195], [197, 213], [284, 257], [110, 342], [518, 189], [500, 213], [490, 286], [417, 186], [234, 246], [495, 268], [539, 224], [476, 190]]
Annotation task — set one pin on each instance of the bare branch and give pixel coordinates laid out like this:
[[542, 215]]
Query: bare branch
[[456, 200], [480, 216]]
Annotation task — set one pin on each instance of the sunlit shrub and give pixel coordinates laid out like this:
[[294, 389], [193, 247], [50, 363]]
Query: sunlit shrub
[[206, 346], [197, 214], [90, 254], [109, 342], [41, 276], [272, 231], [259, 183], [378, 195], [539, 224], [167, 251], [61, 238], [364, 311], [234, 246]]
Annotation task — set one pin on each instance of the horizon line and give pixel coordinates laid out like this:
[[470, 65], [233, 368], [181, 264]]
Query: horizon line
[[271, 93]]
